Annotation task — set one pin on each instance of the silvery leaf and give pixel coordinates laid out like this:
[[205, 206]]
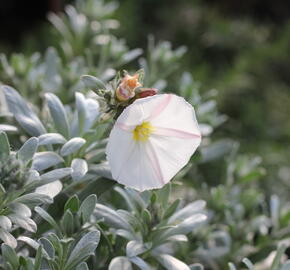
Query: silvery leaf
[[51, 138], [72, 146], [44, 160]]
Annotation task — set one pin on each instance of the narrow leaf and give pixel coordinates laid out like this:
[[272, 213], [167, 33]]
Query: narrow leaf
[[87, 207], [8, 238], [22, 113], [72, 146], [47, 217], [73, 204], [32, 243], [171, 263], [47, 246], [80, 168], [5, 223], [4, 144], [67, 222], [33, 199], [23, 222], [82, 266], [51, 138], [93, 82], [84, 248], [58, 114], [28, 149], [45, 160], [55, 174], [120, 263], [135, 248], [9, 255]]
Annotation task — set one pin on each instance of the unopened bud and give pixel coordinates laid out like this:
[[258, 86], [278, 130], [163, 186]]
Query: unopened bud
[[146, 92], [126, 89]]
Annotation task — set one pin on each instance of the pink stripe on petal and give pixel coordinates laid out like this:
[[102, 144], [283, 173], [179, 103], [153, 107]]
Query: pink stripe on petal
[[171, 132], [124, 126], [160, 107], [154, 162]]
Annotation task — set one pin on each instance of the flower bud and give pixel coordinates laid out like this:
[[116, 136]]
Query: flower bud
[[13, 173], [126, 89], [147, 92]]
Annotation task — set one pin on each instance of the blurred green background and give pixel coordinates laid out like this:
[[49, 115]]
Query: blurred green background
[[240, 48]]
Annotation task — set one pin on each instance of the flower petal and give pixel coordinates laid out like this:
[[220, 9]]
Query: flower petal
[[119, 148], [172, 132], [164, 101], [138, 172], [131, 116], [144, 109], [125, 127], [133, 164], [154, 163], [178, 115], [173, 153]]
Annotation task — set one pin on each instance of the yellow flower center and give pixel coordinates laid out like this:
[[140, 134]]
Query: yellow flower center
[[142, 132]]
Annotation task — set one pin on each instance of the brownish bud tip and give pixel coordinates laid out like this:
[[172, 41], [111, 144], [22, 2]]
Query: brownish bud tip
[[147, 92]]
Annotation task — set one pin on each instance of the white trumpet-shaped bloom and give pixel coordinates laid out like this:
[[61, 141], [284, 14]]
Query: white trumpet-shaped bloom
[[152, 140]]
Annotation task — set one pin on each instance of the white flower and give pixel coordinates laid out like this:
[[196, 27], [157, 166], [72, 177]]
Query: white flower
[[152, 140]]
